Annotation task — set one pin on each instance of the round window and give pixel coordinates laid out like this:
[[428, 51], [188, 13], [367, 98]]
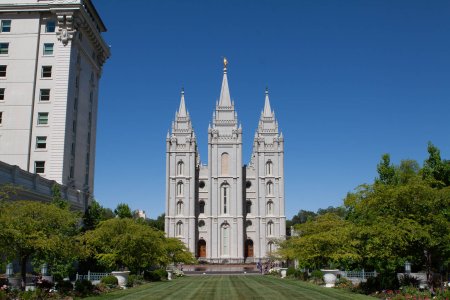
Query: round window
[[201, 184], [201, 223], [248, 184]]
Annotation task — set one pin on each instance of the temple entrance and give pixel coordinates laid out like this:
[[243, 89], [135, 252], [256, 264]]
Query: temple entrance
[[248, 248], [201, 248]]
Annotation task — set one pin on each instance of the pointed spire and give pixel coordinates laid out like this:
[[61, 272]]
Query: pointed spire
[[182, 110], [225, 99], [267, 110]]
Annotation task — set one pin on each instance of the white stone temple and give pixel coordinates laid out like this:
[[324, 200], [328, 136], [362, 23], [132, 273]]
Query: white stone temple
[[225, 212]]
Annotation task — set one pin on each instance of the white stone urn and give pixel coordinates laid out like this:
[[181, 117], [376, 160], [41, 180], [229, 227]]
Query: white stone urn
[[283, 272], [169, 274], [330, 279], [122, 277]]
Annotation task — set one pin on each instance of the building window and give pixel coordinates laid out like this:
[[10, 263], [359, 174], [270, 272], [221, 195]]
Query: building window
[[179, 189], [4, 48], [180, 167], [2, 94], [269, 168], [1, 117], [225, 163], [42, 118], [225, 239], [3, 71], [77, 81], [5, 26], [270, 208], [46, 71], [179, 229], [39, 167], [44, 95], [201, 224], [179, 208], [50, 26], [41, 142], [248, 224], [75, 103], [48, 48], [270, 247], [249, 206], [202, 207], [270, 228], [269, 188], [225, 195]]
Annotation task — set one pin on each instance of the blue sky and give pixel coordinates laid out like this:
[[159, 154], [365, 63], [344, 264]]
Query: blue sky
[[348, 80]]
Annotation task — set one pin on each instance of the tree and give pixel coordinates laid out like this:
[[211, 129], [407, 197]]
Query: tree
[[35, 229], [95, 214], [158, 223], [128, 243], [123, 211], [57, 198], [436, 169], [386, 171]]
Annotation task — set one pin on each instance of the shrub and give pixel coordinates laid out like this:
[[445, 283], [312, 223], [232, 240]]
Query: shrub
[[317, 276], [84, 287], [291, 271], [161, 273], [3, 295], [302, 275], [134, 280], [151, 276], [408, 280], [381, 282], [64, 287], [44, 285], [110, 280]]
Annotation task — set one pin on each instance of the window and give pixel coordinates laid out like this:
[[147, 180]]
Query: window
[[44, 95], [270, 228], [202, 207], [50, 26], [4, 48], [5, 26], [42, 118], [179, 189], [39, 167], [270, 247], [225, 191], [41, 142], [46, 71], [1, 117], [269, 188], [269, 168], [249, 207], [225, 239], [225, 163], [48, 49], [74, 126], [179, 229], [2, 71], [71, 172], [2, 94], [248, 223], [76, 82], [201, 184], [201, 224], [270, 208], [179, 208], [180, 167], [75, 103]]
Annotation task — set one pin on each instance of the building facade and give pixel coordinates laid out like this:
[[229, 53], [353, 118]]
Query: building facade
[[51, 58], [225, 212]]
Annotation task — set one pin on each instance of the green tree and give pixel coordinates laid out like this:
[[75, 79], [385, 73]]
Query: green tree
[[123, 211], [386, 171], [157, 223], [57, 199], [435, 168], [95, 214], [35, 229]]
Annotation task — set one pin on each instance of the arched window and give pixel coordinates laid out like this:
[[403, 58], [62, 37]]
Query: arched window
[[270, 228], [225, 239], [202, 207], [180, 168], [179, 229], [225, 163], [180, 189], [225, 198], [270, 208], [270, 247], [249, 207], [269, 167], [179, 208], [269, 188]]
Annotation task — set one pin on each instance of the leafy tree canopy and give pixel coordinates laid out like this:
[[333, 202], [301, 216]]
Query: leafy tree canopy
[[123, 211]]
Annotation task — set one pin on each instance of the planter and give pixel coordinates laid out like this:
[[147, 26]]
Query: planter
[[283, 272], [122, 277], [329, 277], [169, 274]]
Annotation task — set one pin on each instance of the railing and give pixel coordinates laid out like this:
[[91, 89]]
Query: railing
[[92, 276], [363, 275]]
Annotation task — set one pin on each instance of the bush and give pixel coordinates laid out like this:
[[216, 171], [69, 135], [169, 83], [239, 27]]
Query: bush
[[151, 276], [317, 274], [381, 282], [161, 273], [84, 287], [134, 280], [408, 280], [302, 275], [110, 280], [3, 295], [44, 285], [64, 287], [291, 272]]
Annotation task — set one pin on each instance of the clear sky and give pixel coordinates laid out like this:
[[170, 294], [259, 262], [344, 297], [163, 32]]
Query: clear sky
[[348, 80]]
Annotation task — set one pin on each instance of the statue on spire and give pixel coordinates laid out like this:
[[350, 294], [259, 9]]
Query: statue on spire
[[225, 62]]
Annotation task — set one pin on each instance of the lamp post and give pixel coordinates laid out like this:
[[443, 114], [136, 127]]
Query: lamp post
[[407, 267], [9, 270]]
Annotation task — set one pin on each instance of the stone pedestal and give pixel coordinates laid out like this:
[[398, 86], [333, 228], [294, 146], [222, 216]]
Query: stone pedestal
[[122, 277], [283, 272]]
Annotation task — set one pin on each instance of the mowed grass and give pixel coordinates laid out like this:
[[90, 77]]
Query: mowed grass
[[231, 287]]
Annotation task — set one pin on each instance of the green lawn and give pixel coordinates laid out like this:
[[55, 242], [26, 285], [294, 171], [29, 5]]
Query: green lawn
[[230, 288]]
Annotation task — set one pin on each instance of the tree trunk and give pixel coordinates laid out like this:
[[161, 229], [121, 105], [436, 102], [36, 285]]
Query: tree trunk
[[23, 271]]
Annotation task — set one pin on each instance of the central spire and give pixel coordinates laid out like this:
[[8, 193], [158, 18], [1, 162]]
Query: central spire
[[267, 110], [225, 99], [182, 110]]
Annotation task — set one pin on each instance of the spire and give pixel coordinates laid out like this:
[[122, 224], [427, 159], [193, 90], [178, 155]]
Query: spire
[[267, 110], [182, 110], [225, 99]]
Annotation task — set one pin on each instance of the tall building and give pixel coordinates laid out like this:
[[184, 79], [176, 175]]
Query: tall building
[[225, 212], [51, 58]]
